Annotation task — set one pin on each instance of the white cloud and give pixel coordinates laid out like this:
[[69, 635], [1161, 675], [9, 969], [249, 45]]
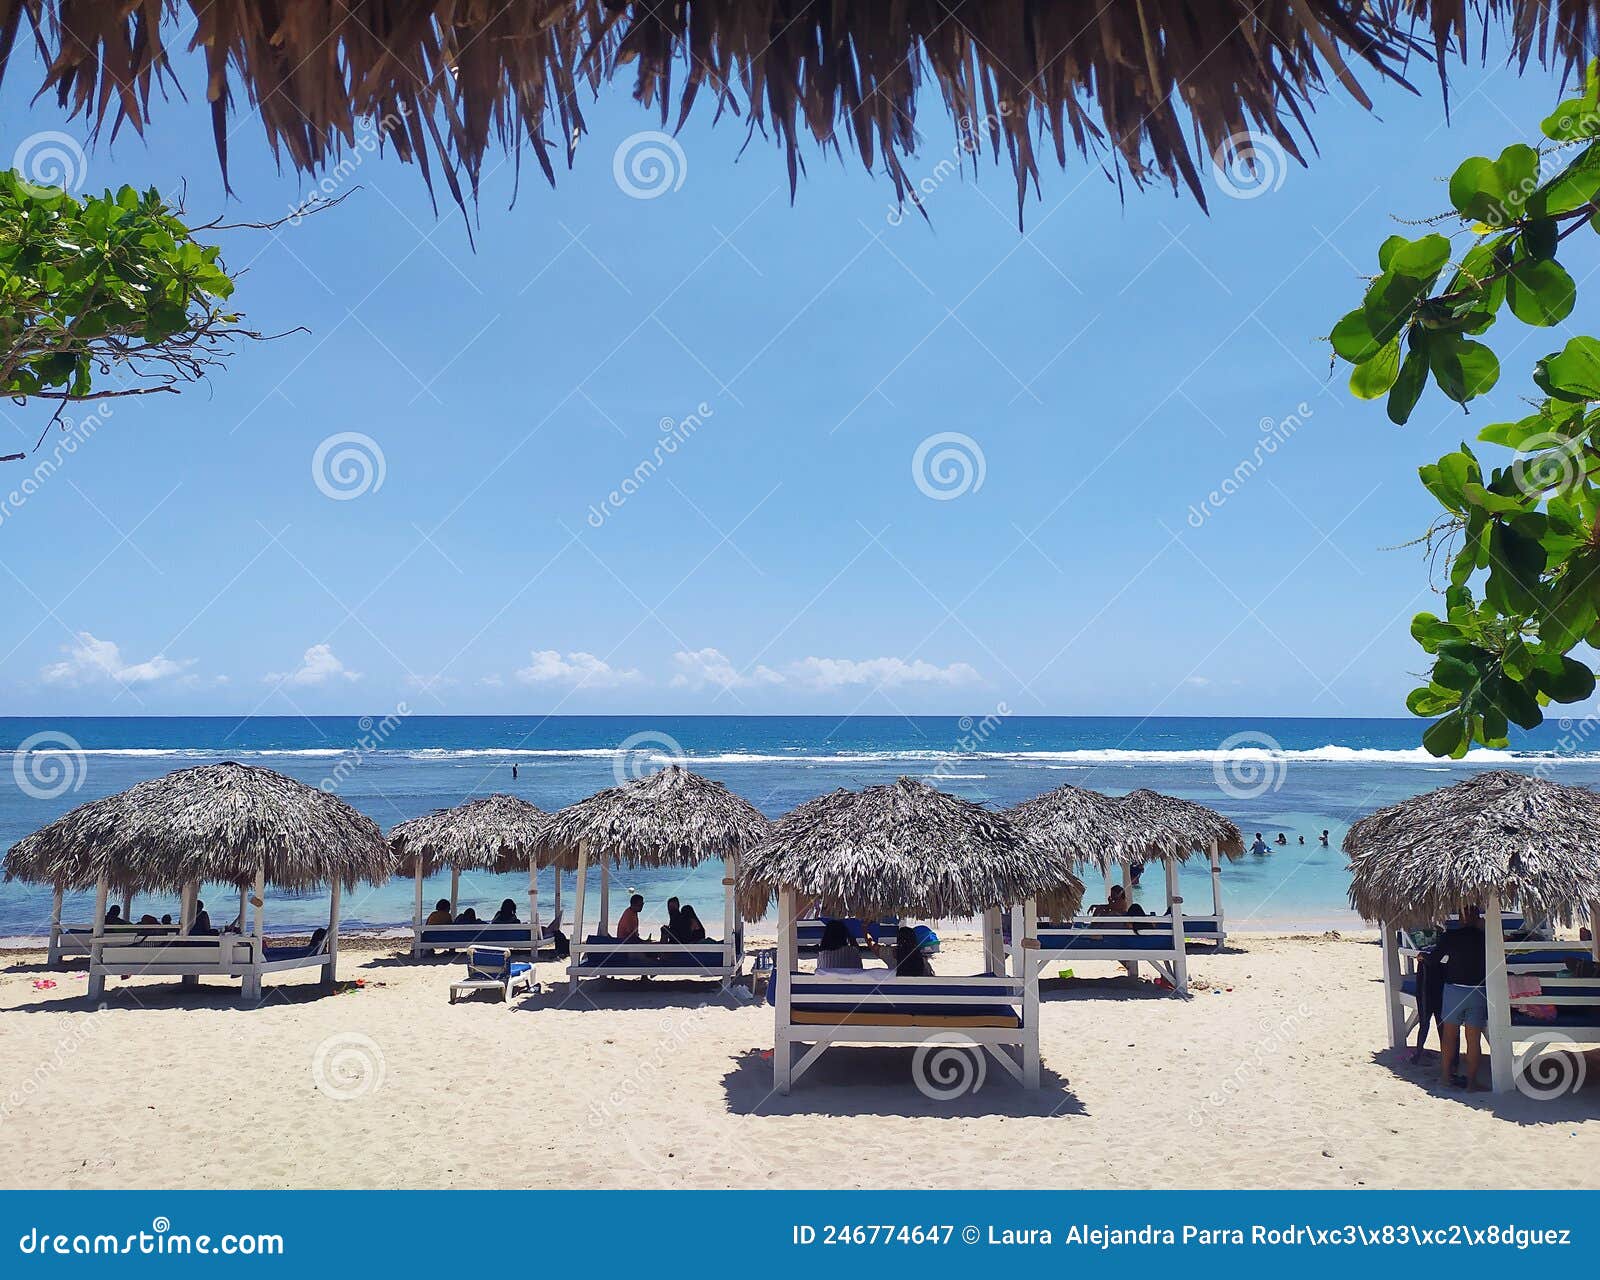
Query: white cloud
[[705, 667], [546, 666], [89, 660], [318, 666], [839, 673]]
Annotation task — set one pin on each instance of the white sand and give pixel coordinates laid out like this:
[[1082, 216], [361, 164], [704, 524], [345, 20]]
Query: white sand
[[1282, 1080]]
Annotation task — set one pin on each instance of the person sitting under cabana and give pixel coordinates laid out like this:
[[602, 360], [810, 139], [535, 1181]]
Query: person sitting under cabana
[[1117, 904], [628, 921], [440, 913], [837, 951], [507, 913]]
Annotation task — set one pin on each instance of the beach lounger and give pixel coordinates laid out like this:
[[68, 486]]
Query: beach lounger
[[1575, 1000], [493, 969]]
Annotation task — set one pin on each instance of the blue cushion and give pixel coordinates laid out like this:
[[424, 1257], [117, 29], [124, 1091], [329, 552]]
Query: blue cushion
[[505, 934], [1122, 942], [642, 955], [917, 1010]]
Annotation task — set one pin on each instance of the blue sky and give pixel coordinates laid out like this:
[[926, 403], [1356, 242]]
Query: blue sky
[[1084, 386]]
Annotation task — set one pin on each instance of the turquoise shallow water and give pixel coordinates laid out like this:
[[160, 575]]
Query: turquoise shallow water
[[1270, 775]]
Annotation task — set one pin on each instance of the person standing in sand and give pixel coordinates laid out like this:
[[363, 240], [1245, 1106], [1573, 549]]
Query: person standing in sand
[[1463, 956]]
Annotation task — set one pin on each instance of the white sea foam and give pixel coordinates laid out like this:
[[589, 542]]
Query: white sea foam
[[1085, 757]]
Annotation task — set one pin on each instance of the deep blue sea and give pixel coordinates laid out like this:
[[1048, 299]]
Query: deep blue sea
[[1297, 776]]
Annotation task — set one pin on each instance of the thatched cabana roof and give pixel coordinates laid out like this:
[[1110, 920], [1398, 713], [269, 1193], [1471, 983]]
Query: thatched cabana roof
[[217, 824], [1155, 88], [1086, 825], [1172, 828], [494, 833], [673, 818], [1529, 841], [904, 847]]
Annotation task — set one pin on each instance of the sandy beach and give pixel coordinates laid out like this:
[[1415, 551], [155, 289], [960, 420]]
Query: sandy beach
[[1274, 1073]]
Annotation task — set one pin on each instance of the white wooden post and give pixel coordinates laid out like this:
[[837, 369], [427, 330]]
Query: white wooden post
[[1392, 978], [416, 915], [1180, 955], [97, 974], [605, 897], [1030, 994], [556, 867], [191, 900], [244, 914], [534, 931], [1020, 959], [1594, 930], [577, 922], [788, 956], [455, 892], [1216, 890], [257, 932], [991, 916], [730, 911], [127, 907], [1502, 1066], [1129, 967], [330, 967], [53, 956]]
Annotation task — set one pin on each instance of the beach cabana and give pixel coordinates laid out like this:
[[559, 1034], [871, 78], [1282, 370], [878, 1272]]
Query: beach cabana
[[672, 818], [906, 849], [218, 824], [1504, 842], [495, 834], [1112, 833]]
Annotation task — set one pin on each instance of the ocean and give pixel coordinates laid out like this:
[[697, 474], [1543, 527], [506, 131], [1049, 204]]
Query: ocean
[[1295, 776]]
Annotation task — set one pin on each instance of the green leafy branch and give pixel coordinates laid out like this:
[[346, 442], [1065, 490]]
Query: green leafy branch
[[1525, 534]]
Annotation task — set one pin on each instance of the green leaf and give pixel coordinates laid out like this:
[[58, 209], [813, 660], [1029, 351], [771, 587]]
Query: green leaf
[[1408, 385], [1424, 257], [1353, 338], [1572, 683], [1462, 368], [1373, 378], [1431, 700], [1573, 373], [1540, 292], [1446, 737]]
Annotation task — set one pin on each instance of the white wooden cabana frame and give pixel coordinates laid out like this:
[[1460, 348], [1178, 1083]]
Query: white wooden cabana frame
[[875, 1012], [1577, 998], [529, 937], [1159, 941], [722, 960], [245, 956]]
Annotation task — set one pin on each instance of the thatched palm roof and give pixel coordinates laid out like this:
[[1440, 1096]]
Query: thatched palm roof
[[673, 818], [904, 847], [495, 833], [1172, 828], [1529, 841], [1155, 86], [217, 824], [1087, 826]]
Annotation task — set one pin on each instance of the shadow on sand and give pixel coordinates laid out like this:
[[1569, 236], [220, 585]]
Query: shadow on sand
[[1562, 1087], [878, 1080]]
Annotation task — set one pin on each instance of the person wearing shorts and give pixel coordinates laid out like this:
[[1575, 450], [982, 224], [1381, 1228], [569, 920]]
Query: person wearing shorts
[[1464, 1011]]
